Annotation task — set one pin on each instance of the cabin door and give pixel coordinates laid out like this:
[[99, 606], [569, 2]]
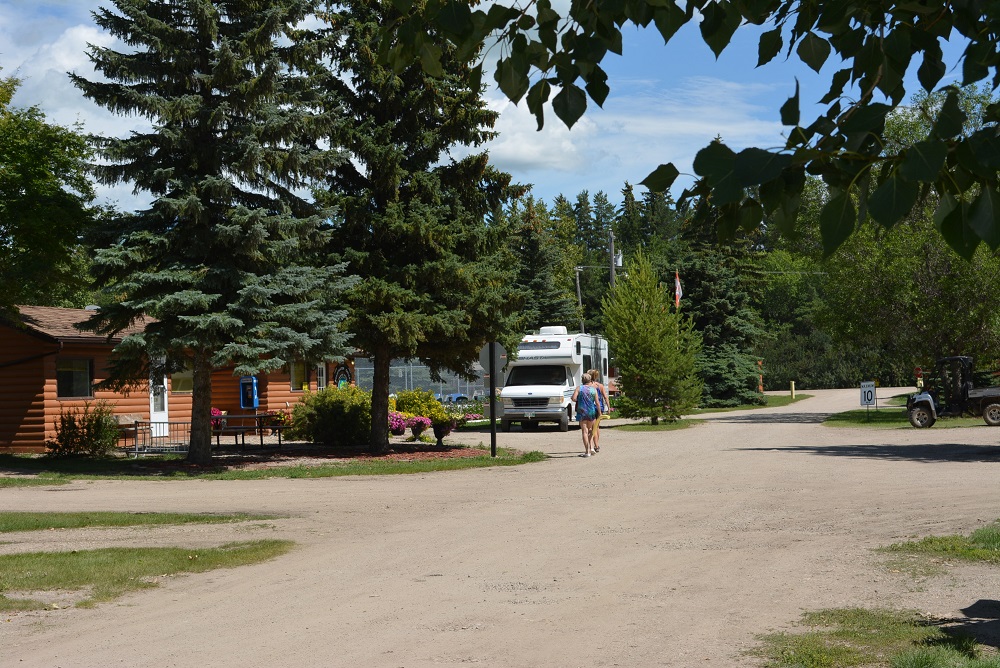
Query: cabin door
[[158, 414]]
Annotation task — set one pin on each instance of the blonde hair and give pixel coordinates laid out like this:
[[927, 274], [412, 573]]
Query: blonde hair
[[594, 374]]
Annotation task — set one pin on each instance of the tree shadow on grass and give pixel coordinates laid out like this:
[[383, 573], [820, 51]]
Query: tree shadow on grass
[[769, 418], [931, 453], [981, 621]]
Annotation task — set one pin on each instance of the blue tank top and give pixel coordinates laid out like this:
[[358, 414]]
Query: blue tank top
[[586, 403]]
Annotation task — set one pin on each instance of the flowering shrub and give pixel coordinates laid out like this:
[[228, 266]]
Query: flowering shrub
[[333, 416], [278, 419], [218, 418], [469, 417], [397, 423], [417, 424]]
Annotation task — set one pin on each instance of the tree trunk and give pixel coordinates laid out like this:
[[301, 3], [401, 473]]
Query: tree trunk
[[200, 448], [380, 401]]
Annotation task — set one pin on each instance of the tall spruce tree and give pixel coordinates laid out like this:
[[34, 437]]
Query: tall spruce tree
[[655, 346], [222, 262], [547, 295], [628, 225], [437, 278]]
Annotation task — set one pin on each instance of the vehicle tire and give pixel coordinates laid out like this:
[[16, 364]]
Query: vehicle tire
[[991, 415], [564, 422], [505, 426], [921, 417]]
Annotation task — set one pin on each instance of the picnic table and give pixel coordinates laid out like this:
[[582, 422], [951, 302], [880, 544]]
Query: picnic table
[[239, 425]]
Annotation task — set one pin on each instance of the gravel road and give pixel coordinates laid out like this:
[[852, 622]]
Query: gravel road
[[667, 549]]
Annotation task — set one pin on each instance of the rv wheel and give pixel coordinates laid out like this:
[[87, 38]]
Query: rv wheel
[[564, 422]]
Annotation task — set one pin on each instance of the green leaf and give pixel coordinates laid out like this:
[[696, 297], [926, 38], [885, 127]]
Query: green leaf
[[924, 160], [932, 68], [893, 200], [513, 83], [867, 118], [950, 119], [455, 17], [950, 218], [983, 217], [597, 86], [668, 20], [836, 222], [719, 23], [754, 166], [402, 6], [537, 97], [813, 50], [837, 83], [569, 104], [661, 178], [715, 162], [751, 214], [430, 59], [769, 46], [790, 109]]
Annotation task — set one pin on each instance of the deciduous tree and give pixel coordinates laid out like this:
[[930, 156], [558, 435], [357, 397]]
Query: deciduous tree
[[553, 55], [46, 205]]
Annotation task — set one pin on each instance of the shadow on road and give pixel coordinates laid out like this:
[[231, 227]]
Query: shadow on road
[[769, 418], [937, 452]]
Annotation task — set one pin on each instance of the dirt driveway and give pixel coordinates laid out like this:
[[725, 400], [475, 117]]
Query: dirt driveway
[[666, 549]]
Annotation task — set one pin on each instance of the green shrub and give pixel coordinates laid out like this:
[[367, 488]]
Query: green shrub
[[422, 402], [92, 432], [334, 416]]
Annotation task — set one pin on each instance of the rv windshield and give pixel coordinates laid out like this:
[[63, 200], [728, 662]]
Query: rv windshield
[[542, 374]]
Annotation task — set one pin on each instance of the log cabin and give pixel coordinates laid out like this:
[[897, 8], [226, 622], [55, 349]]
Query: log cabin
[[49, 366]]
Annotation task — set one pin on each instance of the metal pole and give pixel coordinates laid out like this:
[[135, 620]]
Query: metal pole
[[611, 250], [493, 398], [579, 299]]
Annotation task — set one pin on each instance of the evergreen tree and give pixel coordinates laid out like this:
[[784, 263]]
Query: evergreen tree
[[583, 213], [655, 347], [628, 226], [604, 221], [222, 260], [437, 278], [548, 299]]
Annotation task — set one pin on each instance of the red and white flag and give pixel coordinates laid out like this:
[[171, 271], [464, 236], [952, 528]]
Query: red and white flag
[[677, 290]]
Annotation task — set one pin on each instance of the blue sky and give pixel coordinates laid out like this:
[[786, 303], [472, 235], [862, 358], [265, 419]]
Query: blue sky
[[666, 102]]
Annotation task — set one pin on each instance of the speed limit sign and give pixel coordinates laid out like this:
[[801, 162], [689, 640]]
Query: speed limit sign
[[868, 393]]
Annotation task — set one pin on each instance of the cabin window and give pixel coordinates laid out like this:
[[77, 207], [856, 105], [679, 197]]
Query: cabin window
[[74, 378], [587, 363], [320, 376], [182, 381], [300, 378]]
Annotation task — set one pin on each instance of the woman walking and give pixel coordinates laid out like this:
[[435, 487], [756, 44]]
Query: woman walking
[[586, 400], [603, 407]]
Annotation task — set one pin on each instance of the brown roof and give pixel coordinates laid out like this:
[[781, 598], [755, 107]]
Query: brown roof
[[59, 323]]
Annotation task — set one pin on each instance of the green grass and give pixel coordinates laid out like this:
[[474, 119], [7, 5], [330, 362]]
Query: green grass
[[773, 401], [28, 482], [28, 521], [105, 574], [891, 418], [982, 545], [662, 426], [50, 469], [858, 637]]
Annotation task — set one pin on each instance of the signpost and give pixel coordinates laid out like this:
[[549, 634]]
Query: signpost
[[868, 398], [493, 357]]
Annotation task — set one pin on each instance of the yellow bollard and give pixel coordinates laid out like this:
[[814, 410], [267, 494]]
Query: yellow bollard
[[792, 383]]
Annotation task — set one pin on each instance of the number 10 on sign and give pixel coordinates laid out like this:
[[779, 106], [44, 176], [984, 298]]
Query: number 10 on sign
[[868, 393]]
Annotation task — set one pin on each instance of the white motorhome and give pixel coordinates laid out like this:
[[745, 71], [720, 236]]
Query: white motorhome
[[539, 384]]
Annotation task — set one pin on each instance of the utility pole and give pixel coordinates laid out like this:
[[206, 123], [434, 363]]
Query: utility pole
[[611, 253], [579, 299]]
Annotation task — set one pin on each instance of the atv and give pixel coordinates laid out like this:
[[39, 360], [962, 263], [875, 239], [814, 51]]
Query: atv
[[951, 394]]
